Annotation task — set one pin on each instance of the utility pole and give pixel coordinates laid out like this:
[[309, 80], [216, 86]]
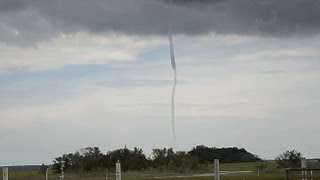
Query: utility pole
[[216, 169]]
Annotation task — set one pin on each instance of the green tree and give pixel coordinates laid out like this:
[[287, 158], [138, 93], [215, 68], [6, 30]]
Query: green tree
[[167, 159], [289, 159], [225, 155], [130, 159], [159, 157], [92, 158], [67, 158]]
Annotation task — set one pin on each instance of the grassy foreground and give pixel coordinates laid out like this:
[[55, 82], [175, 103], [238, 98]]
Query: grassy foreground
[[270, 173]]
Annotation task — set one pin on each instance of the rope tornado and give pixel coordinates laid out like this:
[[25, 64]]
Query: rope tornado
[[173, 64]]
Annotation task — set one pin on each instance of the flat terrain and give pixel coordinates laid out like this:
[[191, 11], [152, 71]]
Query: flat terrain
[[229, 171]]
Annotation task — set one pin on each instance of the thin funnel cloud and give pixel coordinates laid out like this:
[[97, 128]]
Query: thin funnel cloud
[[173, 64]]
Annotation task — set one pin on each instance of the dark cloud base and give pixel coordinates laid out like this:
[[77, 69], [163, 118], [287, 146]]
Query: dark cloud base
[[29, 21]]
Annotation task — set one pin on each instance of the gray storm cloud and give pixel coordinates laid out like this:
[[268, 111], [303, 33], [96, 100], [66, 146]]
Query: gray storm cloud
[[27, 21]]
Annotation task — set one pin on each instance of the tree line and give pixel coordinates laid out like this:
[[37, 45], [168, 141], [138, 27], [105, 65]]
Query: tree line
[[92, 159]]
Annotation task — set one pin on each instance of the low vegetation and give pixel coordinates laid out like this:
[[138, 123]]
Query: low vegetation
[[236, 164], [271, 172], [164, 160]]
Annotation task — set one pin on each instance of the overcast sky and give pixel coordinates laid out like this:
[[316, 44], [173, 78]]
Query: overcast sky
[[78, 73]]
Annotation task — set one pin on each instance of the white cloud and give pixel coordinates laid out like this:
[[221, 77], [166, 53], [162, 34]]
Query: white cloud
[[280, 54], [79, 48], [217, 91]]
